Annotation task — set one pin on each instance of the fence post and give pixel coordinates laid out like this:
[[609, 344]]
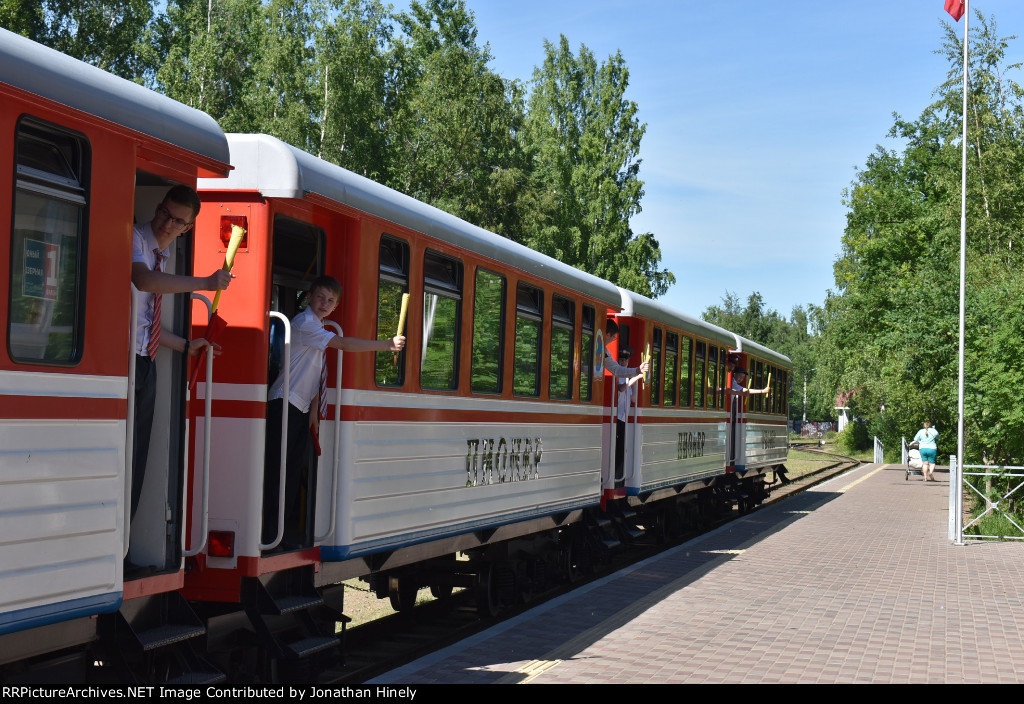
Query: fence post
[[903, 451], [956, 501]]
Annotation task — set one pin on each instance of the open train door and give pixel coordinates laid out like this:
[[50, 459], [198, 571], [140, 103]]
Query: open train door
[[736, 436], [622, 437]]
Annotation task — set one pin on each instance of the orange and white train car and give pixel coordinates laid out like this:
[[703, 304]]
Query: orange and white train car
[[85, 155], [686, 432], [488, 425]]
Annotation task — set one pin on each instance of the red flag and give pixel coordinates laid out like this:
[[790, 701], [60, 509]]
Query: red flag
[[214, 328], [955, 8]]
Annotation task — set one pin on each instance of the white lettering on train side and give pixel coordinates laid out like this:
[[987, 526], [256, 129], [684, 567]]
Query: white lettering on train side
[[496, 461], [690, 445]]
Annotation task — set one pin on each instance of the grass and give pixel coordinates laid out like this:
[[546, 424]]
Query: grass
[[995, 523], [363, 606], [800, 463]]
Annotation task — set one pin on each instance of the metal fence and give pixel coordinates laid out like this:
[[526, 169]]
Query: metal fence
[[994, 489], [879, 451]]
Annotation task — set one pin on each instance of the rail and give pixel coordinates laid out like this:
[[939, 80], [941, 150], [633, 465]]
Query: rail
[[629, 440], [207, 427], [879, 451], [336, 465], [286, 364], [129, 445]]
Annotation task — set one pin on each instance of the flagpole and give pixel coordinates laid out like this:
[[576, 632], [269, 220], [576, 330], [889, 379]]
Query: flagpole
[[955, 485]]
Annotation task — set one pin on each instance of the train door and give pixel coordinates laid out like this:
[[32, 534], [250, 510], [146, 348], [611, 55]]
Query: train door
[[622, 410], [736, 434], [297, 258], [155, 534]]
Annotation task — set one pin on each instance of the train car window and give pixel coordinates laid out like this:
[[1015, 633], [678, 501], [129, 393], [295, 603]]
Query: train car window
[[563, 332], [298, 247], [685, 364], [298, 250], [776, 378], [785, 393], [722, 378], [392, 282], [488, 332], [671, 368], [529, 318], [48, 245], [759, 384], [656, 368], [765, 407], [698, 374], [442, 317], [587, 353], [712, 393]]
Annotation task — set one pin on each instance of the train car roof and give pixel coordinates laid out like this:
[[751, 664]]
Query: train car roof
[[50, 74], [751, 347], [276, 169], [634, 304]]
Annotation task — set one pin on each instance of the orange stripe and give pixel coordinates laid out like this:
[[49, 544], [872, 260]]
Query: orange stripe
[[656, 420], [62, 408]]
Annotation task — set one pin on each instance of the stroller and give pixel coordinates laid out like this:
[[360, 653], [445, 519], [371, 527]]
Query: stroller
[[914, 460]]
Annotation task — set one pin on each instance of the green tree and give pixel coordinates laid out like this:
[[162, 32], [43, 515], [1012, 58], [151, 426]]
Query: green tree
[[209, 55], [284, 96], [109, 34], [584, 137], [359, 72], [796, 338], [456, 121], [890, 330]]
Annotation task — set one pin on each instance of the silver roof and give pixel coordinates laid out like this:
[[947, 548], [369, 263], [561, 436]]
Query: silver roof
[[48, 73], [642, 306], [751, 347], [275, 169]]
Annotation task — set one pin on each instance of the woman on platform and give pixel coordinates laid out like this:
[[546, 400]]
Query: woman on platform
[[926, 438]]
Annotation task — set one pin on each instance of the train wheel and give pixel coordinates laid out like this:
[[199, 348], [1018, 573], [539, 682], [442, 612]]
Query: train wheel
[[402, 593], [580, 558], [506, 583], [525, 582], [488, 600], [675, 518], [441, 591]]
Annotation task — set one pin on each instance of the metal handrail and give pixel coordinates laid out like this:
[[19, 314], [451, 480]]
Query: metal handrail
[[207, 427], [613, 427], [336, 467], [286, 391], [129, 444], [631, 428]]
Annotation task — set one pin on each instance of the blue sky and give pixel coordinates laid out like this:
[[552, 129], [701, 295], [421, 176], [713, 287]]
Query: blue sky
[[757, 113]]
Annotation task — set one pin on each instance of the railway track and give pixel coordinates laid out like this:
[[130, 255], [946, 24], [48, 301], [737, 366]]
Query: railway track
[[388, 642]]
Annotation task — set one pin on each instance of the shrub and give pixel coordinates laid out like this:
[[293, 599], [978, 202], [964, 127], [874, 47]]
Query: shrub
[[854, 437]]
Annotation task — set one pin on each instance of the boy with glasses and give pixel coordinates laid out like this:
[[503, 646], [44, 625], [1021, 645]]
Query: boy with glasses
[[150, 248]]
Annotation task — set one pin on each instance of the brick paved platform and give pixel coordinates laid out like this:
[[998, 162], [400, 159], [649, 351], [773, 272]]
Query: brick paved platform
[[852, 581]]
